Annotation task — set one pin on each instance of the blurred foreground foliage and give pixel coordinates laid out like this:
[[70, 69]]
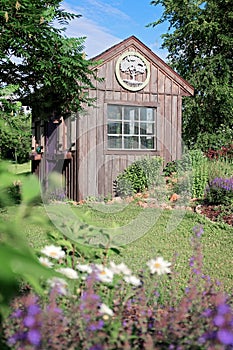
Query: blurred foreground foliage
[[18, 262]]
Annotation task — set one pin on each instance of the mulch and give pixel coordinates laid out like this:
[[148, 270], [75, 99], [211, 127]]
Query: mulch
[[216, 213]]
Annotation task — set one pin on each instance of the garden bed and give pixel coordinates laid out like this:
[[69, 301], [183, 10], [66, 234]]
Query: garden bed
[[217, 213]]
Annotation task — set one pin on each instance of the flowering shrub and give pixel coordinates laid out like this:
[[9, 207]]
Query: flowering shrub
[[97, 306], [225, 152], [220, 191]]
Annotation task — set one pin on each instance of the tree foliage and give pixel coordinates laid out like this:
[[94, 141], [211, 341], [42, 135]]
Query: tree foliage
[[15, 127], [49, 68], [199, 42]]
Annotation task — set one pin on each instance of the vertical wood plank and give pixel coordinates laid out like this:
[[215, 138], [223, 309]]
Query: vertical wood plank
[[153, 80], [161, 125], [91, 152], [168, 128], [174, 131], [82, 144], [179, 127], [161, 80], [168, 86]]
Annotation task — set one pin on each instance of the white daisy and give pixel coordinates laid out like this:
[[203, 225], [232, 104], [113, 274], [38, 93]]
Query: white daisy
[[53, 252], [132, 280], [120, 268], [159, 265], [60, 284], [68, 272], [103, 273], [45, 261], [84, 268], [105, 310]]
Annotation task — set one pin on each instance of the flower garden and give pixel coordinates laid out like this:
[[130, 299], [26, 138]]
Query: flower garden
[[165, 290]]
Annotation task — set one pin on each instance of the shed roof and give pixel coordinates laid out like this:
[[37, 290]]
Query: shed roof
[[146, 51]]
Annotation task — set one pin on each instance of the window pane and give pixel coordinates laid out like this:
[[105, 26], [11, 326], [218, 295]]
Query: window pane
[[114, 112], [131, 142], [147, 128], [147, 114], [147, 142], [131, 128], [130, 113], [115, 142], [114, 128]]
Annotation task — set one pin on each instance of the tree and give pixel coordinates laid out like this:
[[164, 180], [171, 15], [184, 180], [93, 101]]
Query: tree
[[49, 68], [15, 134], [199, 42], [15, 127]]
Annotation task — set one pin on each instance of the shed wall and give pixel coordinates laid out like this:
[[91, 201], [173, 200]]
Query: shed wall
[[98, 166]]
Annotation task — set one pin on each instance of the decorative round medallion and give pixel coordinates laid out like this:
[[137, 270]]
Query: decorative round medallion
[[132, 71]]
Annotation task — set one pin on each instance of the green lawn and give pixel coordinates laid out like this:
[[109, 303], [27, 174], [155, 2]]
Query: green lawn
[[167, 236], [15, 168]]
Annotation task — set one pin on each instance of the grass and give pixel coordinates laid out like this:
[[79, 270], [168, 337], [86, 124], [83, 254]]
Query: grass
[[169, 236], [15, 168]]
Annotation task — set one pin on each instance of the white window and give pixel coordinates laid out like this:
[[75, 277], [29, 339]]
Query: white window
[[131, 127]]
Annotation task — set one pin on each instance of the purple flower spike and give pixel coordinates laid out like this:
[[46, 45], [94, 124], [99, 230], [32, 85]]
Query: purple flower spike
[[17, 313], [198, 230], [223, 309], [34, 337], [33, 310], [29, 321], [16, 337], [191, 261], [219, 320], [207, 313], [96, 347], [96, 326], [225, 336]]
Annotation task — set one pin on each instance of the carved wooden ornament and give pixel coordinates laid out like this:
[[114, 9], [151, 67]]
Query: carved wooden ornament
[[132, 71]]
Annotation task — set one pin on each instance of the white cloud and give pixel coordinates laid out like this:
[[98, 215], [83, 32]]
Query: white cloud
[[99, 8], [97, 37]]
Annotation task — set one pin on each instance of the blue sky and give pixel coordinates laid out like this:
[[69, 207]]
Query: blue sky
[[106, 23]]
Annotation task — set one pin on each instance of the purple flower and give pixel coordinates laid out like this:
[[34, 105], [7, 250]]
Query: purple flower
[[17, 313], [223, 309], [33, 310], [56, 310], [191, 261], [92, 296], [207, 313], [198, 230], [96, 347], [34, 337], [225, 336], [17, 336], [29, 321], [96, 326], [219, 320]]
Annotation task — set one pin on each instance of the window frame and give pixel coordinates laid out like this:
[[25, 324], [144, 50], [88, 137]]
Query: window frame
[[139, 122]]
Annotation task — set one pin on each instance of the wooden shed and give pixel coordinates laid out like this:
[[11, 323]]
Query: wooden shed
[[138, 112]]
